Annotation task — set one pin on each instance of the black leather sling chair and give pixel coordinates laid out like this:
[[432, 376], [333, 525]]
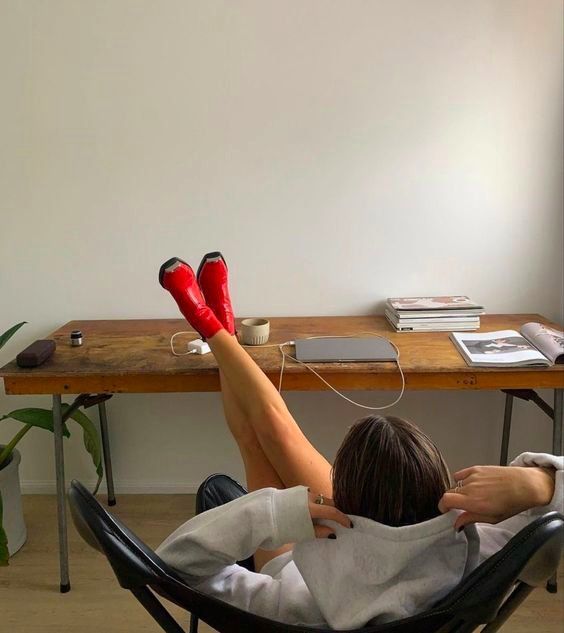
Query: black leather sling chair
[[489, 595]]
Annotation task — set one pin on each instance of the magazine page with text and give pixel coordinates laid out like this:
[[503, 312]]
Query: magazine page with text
[[502, 348]]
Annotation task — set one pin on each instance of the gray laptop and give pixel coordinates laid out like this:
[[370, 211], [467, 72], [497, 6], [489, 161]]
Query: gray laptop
[[341, 350]]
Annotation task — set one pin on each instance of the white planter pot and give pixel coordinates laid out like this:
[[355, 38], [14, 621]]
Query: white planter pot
[[13, 520]]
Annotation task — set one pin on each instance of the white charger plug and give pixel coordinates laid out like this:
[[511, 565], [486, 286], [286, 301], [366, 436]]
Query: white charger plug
[[198, 347]]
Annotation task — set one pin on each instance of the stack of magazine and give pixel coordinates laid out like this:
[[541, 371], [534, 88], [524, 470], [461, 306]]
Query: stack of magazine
[[433, 314], [534, 344]]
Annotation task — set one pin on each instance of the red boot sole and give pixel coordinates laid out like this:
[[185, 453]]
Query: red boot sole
[[205, 258], [167, 264]]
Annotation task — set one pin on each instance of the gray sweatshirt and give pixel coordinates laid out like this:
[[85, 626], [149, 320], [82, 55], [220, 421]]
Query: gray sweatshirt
[[370, 573]]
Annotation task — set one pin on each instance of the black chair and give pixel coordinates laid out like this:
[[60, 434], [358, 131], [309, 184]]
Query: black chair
[[489, 595]]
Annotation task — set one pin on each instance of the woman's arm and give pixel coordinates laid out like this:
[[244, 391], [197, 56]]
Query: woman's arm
[[265, 519], [491, 494], [204, 551]]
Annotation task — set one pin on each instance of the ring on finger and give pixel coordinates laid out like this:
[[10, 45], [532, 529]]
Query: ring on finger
[[459, 485], [320, 499]]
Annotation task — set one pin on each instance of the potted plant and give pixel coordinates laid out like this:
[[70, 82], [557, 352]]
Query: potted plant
[[12, 526]]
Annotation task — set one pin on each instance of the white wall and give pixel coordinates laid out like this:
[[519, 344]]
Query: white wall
[[336, 152]]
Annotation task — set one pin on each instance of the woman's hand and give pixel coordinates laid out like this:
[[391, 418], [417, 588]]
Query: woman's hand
[[490, 494], [328, 511]]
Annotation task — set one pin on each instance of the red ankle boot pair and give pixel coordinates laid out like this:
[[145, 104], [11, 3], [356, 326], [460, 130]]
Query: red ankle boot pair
[[202, 298]]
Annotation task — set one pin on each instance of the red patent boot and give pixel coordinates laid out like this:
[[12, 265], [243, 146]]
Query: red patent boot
[[213, 279], [178, 278]]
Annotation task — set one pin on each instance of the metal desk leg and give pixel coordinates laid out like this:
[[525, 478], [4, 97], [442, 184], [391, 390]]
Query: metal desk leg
[[558, 421], [556, 414], [106, 452], [61, 500], [506, 429], [552, 584]]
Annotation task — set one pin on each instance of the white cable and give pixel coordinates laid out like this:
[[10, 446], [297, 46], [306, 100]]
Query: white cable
[[358, 404], [172, 344], [285, 355], [281, 348]]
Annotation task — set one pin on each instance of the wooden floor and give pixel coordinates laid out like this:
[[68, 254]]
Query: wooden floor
[[30, 601]]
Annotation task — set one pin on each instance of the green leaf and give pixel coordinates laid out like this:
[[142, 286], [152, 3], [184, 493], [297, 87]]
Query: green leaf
[[42, 418], [3, 541], [91, 442], [4, 338]]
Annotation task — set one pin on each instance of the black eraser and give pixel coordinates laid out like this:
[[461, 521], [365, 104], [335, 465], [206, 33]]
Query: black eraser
[[36, 353]]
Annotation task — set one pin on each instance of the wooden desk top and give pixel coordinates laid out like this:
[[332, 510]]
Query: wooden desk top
[[133, 356]]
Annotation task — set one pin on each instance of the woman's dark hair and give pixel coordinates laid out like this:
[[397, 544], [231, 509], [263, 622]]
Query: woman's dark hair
[[388, 470]]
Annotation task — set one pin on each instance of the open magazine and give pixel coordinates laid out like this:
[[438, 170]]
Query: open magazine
[[534, 344]]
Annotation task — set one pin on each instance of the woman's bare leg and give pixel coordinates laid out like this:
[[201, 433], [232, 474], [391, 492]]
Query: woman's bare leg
[[250, 400], [253, 402], [293, 458], [259, 471]]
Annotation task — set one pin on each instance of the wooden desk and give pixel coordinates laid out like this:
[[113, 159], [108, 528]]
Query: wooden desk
[[133, 356]]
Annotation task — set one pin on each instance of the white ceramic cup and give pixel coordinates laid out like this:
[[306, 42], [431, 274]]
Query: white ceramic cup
[[255, 331]]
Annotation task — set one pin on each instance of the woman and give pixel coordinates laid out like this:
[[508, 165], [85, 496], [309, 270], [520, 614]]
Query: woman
[[383, 550]]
